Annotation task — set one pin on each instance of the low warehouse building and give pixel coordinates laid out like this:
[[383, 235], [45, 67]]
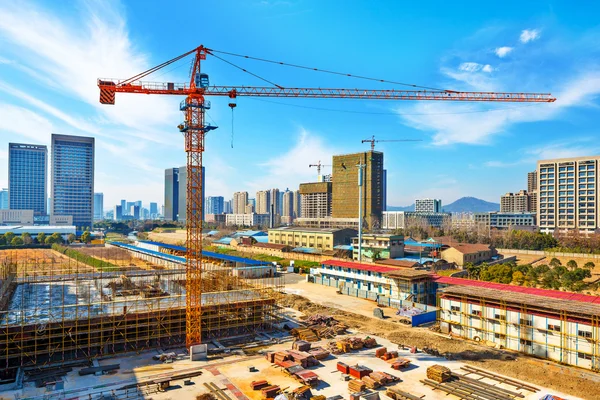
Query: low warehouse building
[[463, 253], [555, 325]]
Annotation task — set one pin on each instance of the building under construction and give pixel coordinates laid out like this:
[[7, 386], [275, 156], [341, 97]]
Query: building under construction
[[58, 306]]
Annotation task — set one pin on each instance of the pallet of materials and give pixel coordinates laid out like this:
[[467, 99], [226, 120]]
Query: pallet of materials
[[370, 382], [307, 360], [301, 345], [439, 373], [270, 391], [400, 363], [356, 386], [380, 352], [356, 343], [305, 334], [343, 346], [359, 371], [319, 353], [370, 342], [307, 377], [389, 355], [397, 394], [258, 385]]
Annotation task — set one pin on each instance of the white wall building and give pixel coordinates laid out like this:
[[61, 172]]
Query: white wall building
[[247, 219]]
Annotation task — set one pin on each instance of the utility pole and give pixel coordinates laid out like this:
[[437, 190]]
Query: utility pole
[[360, 166]]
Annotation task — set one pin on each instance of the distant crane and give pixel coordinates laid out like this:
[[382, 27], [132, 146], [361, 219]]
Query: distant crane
[[373, 141], [319, 165]]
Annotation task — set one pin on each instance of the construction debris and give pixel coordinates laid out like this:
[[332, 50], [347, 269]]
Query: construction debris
[[301, 345], [400, 363], [102, 368], [439, 373]]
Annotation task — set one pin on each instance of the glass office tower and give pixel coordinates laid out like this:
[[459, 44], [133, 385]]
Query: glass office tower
[[27, 175]]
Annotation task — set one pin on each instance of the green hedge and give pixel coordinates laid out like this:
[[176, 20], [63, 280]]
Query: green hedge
[[84, 258]]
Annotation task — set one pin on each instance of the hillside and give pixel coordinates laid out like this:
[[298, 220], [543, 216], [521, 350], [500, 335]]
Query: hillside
[[464, 204]]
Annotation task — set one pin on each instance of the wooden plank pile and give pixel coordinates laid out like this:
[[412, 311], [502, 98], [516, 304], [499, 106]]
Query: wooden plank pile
[[370, 342], [319, 397], [397, 394], [389, 355], [258, 385], [380, 352], [301, 345], [356, 343], [305, 334], [356, 386], [370, 382], [319, 353], [270, 391], [383, 378], [307, 360], [280, 357], [400, 363], [359, 371], [439, 373]]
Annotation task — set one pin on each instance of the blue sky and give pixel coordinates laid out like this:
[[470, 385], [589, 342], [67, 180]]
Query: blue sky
[[51, 54]]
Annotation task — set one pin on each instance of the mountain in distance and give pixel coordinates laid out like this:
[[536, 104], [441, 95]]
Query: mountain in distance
[[464, 204]]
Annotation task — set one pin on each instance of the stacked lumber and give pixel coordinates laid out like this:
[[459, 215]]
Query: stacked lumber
[[270, 356], [356, 386], [369, 342], [439, 373], [307, 360], [380, 378], [343, 346], [380, 352], [319, 397], [319, 353], [270, 391], [356, 343], [370, 382], [305, 334], [301, 345], [280, 357], [258, 385], [389, 355]]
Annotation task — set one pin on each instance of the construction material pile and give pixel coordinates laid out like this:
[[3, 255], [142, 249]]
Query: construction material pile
[[408, 311], [439, 373], [305, 334], [400, 363], [324, 326], [356, 386], [346, 345]]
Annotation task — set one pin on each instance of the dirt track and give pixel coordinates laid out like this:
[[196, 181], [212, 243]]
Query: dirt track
[[570, 380]]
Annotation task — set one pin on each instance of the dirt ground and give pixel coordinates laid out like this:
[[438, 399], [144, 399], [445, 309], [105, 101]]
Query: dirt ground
[[41, 262], [176, 238], [118, 257], [564, 379]]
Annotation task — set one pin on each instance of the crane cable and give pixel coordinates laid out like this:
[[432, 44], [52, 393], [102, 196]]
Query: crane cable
[[245, 70], [211, 51]]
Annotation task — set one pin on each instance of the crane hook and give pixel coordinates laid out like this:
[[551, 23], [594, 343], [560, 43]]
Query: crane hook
[[232, 105]]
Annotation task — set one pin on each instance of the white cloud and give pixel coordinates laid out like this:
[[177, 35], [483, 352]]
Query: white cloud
[[487, 68], [529, 35], [475, 67], [503, 51], [291, 168], [23, 122]]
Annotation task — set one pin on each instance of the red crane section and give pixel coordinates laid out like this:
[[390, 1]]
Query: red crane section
[[194, 129]]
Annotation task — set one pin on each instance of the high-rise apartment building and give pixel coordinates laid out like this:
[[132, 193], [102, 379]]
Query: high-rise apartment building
[[263, 200], [153, 210], [532, 190], [228, 206], [287, 207], [171, 194], [98, 206], [214, 205], [72, 184], [240, 200], [316, 199], [384, 190], [428, 205], [27, 176], [275, 205], [345, 192], [297, 204], [568, 194], [515, 202], [4, 199], [183, 181]]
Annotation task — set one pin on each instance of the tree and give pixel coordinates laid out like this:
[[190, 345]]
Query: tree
[[26, 238], [86, 237], [560, 270], [518, 278], [589, 265], [16, 241], [555, 262], [2, 240], [9, 236], [41, 238], [54, 238], [71, 238], [572, 265]]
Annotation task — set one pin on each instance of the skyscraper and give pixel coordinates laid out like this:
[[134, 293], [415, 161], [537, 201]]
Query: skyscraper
[[171, 194], [4, 199], [384, 190], [27, 175], [263, 200], [98, 206], [118, 213], [153, 210], [72, 185], [275, 204], [532, 190], [214, 205], [287, 207], [228, 206], [345, 193], [183, 180], [297, 204], [240, 200]]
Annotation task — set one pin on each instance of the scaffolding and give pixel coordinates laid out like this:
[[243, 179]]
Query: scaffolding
[[55, 309]]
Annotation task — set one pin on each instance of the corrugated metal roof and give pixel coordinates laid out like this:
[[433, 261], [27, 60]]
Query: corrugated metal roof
[[218, 256], [557, 294], [360, 266]]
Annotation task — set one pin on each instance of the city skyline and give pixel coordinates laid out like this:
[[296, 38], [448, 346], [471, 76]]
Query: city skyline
[[274, 143]]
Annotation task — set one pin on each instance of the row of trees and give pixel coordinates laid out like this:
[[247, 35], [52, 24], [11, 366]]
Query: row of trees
[[552, 276], [10, 239], [84, 258]]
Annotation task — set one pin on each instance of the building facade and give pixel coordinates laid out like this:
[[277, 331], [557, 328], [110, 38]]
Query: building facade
[[214, 205], [72, 184], [428, 205], [183, 182], [379, 246], [263, 199], [240, 200], [402, 219], [315, 199], [275, 205], [118, 213], [98, 206], [4, 199], [16, 217], [171, 204], [542, 323], [345, 189], [384, 204], [153, 210], [297, 204], [568, 194], [287, 208], [532, 190], [515, 202], [27, 177], [328, 222], [504, 220], [463, 253], [247, 220], [313, 238]]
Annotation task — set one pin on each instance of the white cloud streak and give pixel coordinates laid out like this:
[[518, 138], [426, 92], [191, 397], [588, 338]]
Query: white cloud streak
[[503, 51], [529, 35]]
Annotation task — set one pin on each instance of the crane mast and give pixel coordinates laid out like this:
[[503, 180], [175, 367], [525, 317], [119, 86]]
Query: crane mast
[[195, 129]]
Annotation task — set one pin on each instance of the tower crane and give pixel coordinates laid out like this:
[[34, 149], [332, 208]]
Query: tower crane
[[194, 128], [319, 166], [373, 141]]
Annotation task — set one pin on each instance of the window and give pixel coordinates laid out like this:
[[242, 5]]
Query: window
[[454, 308], [499, 336], [524, 321], [500, 317], [584, 356], [584, 334], [476, 312], [525, 342], [555, 328]]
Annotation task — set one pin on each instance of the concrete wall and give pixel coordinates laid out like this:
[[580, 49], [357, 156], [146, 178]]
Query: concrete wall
[[550, 253]]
